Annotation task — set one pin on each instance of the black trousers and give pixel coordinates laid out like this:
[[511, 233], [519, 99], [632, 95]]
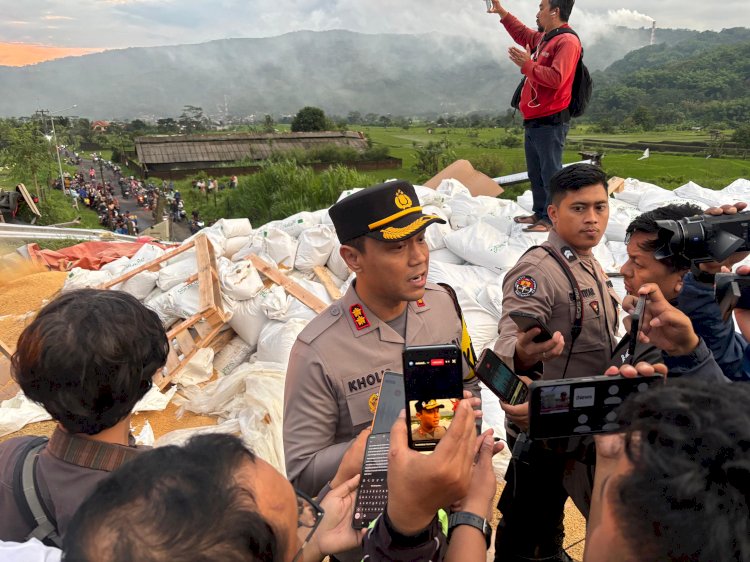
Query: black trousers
[[532, 506]]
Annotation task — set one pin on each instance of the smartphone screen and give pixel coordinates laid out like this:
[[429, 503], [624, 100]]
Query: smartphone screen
[[390, 402], [433, 383], [499, 378], [526, 322]]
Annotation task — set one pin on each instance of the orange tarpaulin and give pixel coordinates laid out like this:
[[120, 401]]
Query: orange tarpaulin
[[87, 255]]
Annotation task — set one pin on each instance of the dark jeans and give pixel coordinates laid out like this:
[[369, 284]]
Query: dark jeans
[[544, 152], [532, 505]]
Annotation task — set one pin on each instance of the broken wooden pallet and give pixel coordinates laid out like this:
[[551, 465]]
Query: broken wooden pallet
[[203, 328], [289, 285]]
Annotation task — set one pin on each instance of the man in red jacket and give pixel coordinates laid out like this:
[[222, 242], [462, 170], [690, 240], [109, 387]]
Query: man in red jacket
[[549, 69]]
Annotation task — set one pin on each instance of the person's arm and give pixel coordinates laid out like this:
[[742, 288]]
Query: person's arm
[[564, 62], [310, 420], [697, 300], [519, 32], [526, 288]]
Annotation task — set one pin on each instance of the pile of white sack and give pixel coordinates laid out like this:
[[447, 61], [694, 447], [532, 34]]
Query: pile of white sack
[[471, 252]]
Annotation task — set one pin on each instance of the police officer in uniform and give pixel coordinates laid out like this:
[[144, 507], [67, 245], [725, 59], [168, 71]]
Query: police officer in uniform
[[337, 363], [564, 285]]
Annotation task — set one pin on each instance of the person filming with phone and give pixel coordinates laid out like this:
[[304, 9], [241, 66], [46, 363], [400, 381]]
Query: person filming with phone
[[566, 327]]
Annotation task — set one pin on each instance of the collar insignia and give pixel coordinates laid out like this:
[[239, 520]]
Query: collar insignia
[[358, 315], [594, 306], [421, 303]]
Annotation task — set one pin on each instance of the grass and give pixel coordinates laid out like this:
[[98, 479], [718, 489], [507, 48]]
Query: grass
[[666, 170]]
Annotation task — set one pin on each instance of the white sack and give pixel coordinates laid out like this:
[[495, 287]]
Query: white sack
[[450, 188], [481, 324], [236, 352], [273, 302], [490, 297], [694, 192], [275, 243], [526, 201], [296, 224], [621, 214], [619, 252], [232, 228], [276, 340], [199, 369], [161, 305], [115, 268], [234, 245], [146, 254], [145, 437], [484, 244], [176, 273], [633, 190], [295, 307], [446, 256], [604, 256], [436, 232], [248, 320], [19, 411], [428, 196], [79, 278], [314, 249], [738, 190], [183, 300], [497, 207], [336, 263], [323, 217], [141, 285], [471, 277], [239, 281], [215, 238], [466, 210], [155, 400]]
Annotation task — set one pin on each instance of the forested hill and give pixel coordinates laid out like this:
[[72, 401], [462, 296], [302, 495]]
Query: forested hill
[[339, 71], [704, 79]]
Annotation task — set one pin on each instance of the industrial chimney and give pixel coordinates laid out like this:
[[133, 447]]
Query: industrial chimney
[[653, 32]]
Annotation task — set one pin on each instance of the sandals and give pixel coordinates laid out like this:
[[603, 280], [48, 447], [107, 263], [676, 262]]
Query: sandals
[[539, 226], [526, 219]]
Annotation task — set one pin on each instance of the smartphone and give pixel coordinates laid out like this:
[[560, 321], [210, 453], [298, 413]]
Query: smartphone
[[635, 326], [583, 406], [433, 385], [372, 494], [526, 321], [489, 4], [500, 379]]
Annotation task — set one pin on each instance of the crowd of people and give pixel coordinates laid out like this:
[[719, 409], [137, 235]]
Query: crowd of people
[[670, 483]]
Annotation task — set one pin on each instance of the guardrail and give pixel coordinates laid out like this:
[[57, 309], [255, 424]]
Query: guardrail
[[30, 232]]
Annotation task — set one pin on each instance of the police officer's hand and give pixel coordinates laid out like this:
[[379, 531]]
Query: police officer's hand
[[351, 462], [528, 353], [640, 369], [662, 324], [335, 533], [518, 414], [419, 485], [718, 267]]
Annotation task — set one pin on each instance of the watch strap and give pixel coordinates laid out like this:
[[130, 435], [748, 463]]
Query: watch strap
[[473, 520]]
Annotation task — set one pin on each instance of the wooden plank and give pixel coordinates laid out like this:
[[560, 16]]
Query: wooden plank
[[148, 266], [29, 200], [300, 293], [7, 349], [185, 342], [324, 275], [615, 185]]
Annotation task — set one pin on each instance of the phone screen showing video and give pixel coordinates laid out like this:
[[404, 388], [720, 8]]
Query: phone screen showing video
[[433, 383], [498, 377], [581, 406]]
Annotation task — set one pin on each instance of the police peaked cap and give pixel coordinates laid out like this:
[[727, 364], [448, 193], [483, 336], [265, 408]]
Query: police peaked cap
[[389, 212]]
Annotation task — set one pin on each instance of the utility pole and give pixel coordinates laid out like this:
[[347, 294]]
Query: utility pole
[[42, 113]]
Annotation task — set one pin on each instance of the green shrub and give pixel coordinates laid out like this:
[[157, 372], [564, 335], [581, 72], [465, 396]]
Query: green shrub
[[490, 164]]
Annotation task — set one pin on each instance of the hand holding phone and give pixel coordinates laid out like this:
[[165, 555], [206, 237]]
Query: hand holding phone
[[526, 321], [500, 379], [635, 326]]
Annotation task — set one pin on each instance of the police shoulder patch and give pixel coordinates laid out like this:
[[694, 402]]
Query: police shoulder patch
[[525, 286]]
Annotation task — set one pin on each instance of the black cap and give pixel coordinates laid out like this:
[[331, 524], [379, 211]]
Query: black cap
[[388, 212]]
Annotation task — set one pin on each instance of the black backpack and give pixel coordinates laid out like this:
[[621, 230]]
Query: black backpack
[[582, 83]]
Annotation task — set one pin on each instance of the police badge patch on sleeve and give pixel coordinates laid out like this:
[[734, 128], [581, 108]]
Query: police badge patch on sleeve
[[525, 286]]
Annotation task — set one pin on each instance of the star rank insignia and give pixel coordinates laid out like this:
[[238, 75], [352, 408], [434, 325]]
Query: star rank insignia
[[358, 315]]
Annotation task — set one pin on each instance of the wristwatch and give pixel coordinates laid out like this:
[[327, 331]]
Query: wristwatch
[[466, 518]]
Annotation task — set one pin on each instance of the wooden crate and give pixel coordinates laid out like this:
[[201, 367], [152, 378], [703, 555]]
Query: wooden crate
[[203, 328]]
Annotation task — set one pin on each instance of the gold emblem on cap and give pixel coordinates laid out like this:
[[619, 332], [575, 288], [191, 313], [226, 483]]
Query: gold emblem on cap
[[403, 201]]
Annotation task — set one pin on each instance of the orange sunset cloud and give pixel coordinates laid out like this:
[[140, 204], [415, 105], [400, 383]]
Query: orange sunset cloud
[[21, 54]]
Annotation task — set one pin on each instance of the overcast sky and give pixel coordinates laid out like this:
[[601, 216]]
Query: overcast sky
[[106, 24]]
